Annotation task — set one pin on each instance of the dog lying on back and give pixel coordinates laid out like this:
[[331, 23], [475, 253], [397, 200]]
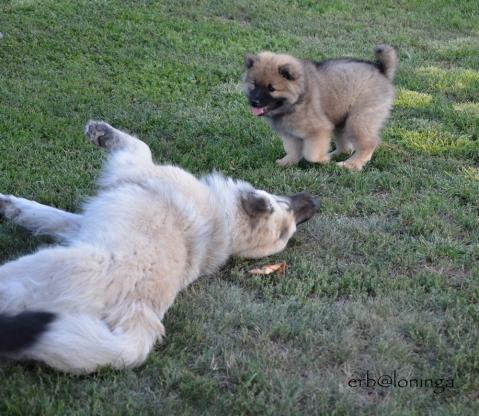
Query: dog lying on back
[[305, 102], [99, 298]]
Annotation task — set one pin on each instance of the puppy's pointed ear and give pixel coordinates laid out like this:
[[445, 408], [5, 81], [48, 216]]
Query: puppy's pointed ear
[[255, 204], [249, 60], [289, 72]]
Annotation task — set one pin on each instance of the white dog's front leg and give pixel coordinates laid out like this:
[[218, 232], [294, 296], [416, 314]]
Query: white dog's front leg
[[39, 218]]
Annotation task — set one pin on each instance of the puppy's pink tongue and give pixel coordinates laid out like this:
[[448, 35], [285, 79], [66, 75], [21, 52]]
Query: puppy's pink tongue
[[258, 111]]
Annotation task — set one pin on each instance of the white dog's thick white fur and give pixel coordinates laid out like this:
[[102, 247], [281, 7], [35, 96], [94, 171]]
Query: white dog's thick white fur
[[149, 232]]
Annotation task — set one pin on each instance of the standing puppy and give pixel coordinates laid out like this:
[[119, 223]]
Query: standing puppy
[[99, 297], [307, 101]]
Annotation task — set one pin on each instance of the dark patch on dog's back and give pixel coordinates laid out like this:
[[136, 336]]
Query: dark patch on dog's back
[[377, 65], [21, 331]]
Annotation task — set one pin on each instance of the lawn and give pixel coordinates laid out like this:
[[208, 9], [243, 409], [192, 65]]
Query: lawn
[[385, 279]]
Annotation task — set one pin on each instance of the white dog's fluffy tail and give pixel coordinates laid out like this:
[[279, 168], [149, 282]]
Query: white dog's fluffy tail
[[72, 343]]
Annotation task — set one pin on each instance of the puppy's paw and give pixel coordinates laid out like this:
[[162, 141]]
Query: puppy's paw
[[286, 161], [318, 158], [323, 159], [353, 166], [100, 133], [337, 152]]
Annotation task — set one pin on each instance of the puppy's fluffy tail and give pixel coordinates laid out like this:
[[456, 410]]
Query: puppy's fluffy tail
[[387, 59], [75, 343]]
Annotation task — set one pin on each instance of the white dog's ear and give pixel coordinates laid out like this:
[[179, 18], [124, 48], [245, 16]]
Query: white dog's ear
[[255, 204]]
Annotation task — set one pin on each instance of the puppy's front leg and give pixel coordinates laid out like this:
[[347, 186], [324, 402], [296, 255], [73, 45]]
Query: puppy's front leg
[[316, 146], [293, 148]]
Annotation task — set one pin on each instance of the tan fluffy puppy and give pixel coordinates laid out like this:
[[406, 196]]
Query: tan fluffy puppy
[[306, 102]]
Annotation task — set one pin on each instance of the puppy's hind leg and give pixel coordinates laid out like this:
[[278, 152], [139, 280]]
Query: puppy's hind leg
[[362, 155], [343, 145], [362, 129], [39, 218]]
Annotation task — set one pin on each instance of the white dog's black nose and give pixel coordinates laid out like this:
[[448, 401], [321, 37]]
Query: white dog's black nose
[[304, 206]]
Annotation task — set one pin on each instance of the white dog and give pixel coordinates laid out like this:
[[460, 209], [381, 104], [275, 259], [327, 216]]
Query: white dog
[[98, 298]]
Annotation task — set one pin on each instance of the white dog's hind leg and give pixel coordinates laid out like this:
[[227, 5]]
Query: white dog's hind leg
[[107, 137], [76, 343], [83, 344], [51, 309], [39, 218], [55, 278], [129, 160]]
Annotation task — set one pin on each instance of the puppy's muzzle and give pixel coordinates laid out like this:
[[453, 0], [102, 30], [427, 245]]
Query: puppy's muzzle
[[304, 206]]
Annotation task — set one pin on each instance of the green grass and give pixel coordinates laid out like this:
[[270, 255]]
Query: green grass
[[385, 279]]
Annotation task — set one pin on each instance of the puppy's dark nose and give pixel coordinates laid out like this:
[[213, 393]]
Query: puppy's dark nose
[[304, 206], [254, 103]]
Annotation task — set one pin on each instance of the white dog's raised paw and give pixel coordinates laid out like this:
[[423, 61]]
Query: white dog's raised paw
[[100, 133]]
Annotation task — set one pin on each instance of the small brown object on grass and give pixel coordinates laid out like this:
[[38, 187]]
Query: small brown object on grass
[[270, 268]]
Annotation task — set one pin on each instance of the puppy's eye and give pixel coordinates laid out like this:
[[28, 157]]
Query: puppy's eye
[[271, 88]]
